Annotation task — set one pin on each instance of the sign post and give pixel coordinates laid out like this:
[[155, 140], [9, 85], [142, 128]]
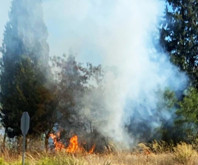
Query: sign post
[[25, 125]]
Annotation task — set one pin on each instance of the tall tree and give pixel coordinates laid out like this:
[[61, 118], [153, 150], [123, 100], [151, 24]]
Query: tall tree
[[25, 71], [179, 36]]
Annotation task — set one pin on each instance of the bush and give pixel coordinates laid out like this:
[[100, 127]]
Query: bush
[[184, 153]]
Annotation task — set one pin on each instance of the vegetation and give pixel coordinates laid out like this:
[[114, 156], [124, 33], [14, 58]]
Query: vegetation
[[181, 154], [179, 39], [24, 74]]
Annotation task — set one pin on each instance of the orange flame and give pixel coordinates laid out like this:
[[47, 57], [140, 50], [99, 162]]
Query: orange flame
[[58, 145], [92, 149], [73, 146]]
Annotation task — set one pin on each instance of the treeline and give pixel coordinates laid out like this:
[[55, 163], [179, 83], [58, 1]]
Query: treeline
[[51, 89]]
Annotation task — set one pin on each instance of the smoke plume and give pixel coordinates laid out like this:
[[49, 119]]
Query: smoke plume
[[122, 36]]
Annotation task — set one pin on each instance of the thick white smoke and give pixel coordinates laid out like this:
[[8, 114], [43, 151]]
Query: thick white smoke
[[120, 35]]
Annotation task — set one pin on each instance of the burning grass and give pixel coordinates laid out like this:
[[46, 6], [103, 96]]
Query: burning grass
[[73, 146]]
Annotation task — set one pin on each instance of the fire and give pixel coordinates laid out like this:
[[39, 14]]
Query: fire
[[73, 146], [58, 145], [92, 149]]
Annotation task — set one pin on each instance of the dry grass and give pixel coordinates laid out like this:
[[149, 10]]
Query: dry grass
[[183, 154], [101, 159], [130, 159]]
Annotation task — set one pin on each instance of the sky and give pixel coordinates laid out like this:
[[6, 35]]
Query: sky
[[68, 28], [5, 6]]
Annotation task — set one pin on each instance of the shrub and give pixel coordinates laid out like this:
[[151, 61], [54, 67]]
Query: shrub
[[184, 153]]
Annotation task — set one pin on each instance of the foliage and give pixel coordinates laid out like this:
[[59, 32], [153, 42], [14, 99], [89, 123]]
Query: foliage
[[187, 113], [24, 91], [168, 131], [188, 107], [72, 83]]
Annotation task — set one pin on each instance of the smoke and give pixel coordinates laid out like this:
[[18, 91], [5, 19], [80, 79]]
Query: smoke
[[122, 36]]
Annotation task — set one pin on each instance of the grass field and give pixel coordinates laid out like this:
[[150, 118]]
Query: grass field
[[182, 154]]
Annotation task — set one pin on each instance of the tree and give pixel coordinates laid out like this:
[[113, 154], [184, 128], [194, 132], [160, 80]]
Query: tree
[[169, 131], [26, 34], [25, 70], [179, 36], [25, 92], [76, 84], [73, 83]]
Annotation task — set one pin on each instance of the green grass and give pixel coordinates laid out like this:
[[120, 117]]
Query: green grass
[[57, 159]]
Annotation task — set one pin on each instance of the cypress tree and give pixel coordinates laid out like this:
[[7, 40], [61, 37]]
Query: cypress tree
[[24, 70]]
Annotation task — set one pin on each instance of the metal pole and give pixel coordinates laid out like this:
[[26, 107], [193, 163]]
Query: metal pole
[[23, 156]]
